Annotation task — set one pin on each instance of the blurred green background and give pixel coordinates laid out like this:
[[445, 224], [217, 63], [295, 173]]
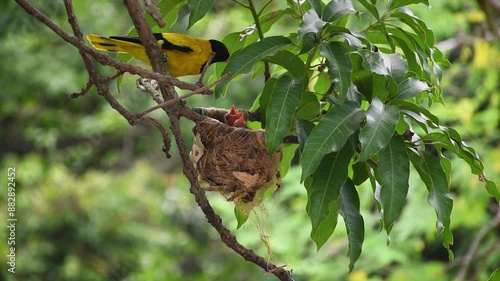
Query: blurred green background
[[97, 200]]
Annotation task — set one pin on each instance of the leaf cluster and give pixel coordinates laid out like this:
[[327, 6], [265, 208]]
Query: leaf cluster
[[354, 83]]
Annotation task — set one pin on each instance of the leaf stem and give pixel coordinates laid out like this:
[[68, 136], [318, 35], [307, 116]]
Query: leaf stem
[[255, 15]]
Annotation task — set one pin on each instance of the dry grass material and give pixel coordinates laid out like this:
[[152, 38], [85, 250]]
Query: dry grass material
[[233, 161]]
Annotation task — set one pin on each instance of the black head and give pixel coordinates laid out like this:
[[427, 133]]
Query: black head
[[221, 52]]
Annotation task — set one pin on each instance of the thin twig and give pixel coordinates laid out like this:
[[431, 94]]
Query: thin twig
[[146, 85], [197, 91], [155, 13], [166, 138], [471, 252], [205, 67], [255, 15]]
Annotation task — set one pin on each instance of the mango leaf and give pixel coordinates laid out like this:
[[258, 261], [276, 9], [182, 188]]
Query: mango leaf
[[316, 6], [265, 98], [394, 170], [419, 27], [325, 189], [326, 227], [432, 174], [336, 9], [402, 41], [371, 8], [411, 87], [169, 10], [268, 20], [285, 99], [198, 9], [309, 107], [311, 23], [307, 43], [289, 61], [233, 42], [303, 129], [349, 210], [287, 155], [241, 217], [361, 77], [360, 172], [374, 62], [495, 276], [374, 11], [394, 4], [339, 66], [448, 138], [381, 122], [491, 187], [244, 60], [331, 134], [398, 66]]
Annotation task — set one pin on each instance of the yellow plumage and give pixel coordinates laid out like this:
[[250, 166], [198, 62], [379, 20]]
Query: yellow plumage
[[186, 55]]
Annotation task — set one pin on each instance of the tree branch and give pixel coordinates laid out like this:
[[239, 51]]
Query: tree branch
[[173, 109]]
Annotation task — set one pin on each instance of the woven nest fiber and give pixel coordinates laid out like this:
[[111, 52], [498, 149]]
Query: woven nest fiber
[[233, 161]]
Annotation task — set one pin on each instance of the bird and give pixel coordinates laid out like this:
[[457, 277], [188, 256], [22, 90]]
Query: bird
[[235, 118], [186, 55]]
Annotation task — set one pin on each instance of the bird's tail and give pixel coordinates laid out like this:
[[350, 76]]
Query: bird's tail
[[120, 45], [114, 45]]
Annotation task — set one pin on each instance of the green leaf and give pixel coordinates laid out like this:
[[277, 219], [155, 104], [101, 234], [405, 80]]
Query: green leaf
[[326, 227], [285, 99], [349, 210], [233, 42], [331, 134], [398, 35], [491, 187], [244, 60], [418, 26], [325, 189], [268, 20], [432, 174], [448, 138], [374, 11], [380, 124], [373, 61], [360, 172], [394, 4], [316, 5], [339, 65], [265, 99], [336, 9], [311, 23], [411, 87], [287, 155], [495, 276], [371, 8], [379, 87], [241, 217], [361, 77], [303, 129], [398, 66], [442, 138], [170, 10], [198, 9], [289, 61], [309, 107], [394, 170]]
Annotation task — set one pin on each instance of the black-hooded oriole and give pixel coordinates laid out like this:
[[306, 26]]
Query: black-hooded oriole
[[186, 55]]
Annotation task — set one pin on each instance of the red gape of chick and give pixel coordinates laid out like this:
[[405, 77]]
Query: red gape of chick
[[235, 118]]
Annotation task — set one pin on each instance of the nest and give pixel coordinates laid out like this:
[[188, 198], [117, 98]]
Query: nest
[[233, 161]]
